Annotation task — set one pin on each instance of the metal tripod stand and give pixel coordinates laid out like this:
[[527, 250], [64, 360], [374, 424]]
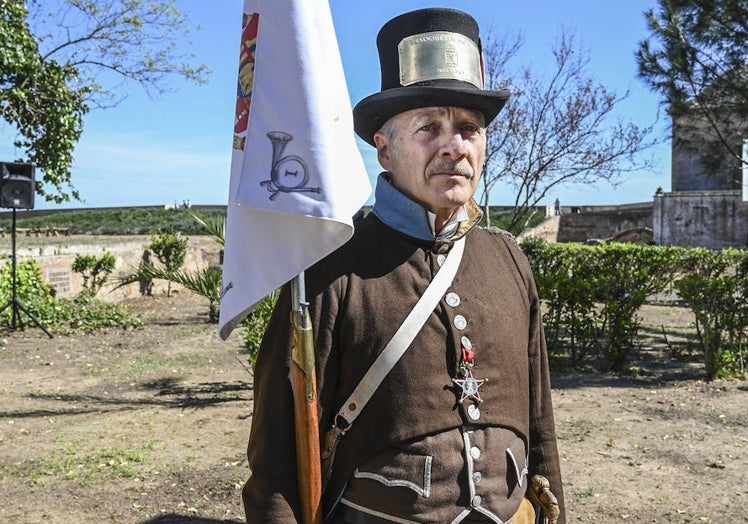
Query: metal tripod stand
[[14, 302]]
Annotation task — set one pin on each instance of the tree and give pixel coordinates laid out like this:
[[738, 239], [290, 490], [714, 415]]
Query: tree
[[170, 249], [696, 58], [58, 56], [555, 130], [36, 98]]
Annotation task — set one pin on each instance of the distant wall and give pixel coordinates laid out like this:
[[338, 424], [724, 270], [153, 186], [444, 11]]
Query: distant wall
[[713, 219], [603, 222]]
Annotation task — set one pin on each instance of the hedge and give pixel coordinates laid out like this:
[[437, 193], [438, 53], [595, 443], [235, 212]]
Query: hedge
[[593, 294]]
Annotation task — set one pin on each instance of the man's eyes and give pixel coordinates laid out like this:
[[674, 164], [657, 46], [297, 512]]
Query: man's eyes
[[465, 128]]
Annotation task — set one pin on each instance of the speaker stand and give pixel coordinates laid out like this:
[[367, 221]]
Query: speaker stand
[[14, 303]]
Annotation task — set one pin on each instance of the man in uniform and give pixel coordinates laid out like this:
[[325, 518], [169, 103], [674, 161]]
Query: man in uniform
[[463, 418]]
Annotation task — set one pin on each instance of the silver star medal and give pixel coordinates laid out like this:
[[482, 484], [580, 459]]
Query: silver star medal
[[470, 386]]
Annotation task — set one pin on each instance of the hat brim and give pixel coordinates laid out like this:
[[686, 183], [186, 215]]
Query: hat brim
[[373, 111]]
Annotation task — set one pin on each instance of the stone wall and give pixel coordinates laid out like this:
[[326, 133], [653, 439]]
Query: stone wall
[[55, 255], [713, 219], [603, 222]]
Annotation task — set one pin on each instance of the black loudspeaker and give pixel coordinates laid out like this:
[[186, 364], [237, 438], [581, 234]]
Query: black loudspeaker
[[17, 185]]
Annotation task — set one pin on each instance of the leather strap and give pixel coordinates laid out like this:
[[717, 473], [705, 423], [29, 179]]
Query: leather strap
[[401, 340]]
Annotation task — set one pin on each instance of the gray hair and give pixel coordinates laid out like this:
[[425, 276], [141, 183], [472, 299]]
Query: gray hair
[[389, 129]]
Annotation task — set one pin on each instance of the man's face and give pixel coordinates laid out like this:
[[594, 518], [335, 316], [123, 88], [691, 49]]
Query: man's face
[[435, 155]]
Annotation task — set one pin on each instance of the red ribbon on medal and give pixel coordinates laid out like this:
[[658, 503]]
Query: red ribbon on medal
[[467, 354]]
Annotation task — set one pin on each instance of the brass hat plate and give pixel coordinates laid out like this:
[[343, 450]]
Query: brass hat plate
[[439, 55]]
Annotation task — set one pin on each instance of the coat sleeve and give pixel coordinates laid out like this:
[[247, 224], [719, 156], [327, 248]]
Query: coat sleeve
[[544, 458], [270, 495]]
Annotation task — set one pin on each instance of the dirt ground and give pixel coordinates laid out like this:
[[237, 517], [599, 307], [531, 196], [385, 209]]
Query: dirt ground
[[150, 426]]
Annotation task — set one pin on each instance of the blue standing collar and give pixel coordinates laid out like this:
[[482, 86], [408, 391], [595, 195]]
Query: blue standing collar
[[400, 212]]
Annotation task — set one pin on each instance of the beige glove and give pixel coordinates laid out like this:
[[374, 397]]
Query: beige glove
[[539, 493]]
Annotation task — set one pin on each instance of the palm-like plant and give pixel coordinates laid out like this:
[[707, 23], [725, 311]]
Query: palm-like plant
[[205, 282], [214, 225]]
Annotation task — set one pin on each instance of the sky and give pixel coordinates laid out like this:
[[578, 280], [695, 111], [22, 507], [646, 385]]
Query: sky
[[177, 148]]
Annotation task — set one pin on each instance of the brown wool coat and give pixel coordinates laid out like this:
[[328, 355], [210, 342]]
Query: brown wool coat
[[358, 297]]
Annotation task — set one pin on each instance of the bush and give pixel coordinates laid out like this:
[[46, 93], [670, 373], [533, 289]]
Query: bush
[[81, 314], [715, 286], [95, 271], [592, 296], [31, 290], [88, 314], [623, 276], [170, 249], [570, 318]]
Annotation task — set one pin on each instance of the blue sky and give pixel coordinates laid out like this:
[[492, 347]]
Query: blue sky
[[178, 147]]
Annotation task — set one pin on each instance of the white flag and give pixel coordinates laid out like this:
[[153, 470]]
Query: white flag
[[297, 177]]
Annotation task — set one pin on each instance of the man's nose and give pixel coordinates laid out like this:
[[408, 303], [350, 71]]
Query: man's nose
[[453, 146]]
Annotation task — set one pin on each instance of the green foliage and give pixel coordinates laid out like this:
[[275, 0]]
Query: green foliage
[[141, 41], [170, 249], [31, 290], [85, 313], [513, 221], [695, 59], [623, 276], [715, 286], [88, 314], [592, 296], [121, 221], [95, 271], [205, 282], [255, 324], [55, 53], [37, 99], [570, 320], [214, 224]]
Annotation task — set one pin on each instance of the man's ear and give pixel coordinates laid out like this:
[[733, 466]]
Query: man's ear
[[383, 150]]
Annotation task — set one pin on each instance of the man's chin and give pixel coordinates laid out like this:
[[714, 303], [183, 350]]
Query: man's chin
[[451, 202], [457, 195]]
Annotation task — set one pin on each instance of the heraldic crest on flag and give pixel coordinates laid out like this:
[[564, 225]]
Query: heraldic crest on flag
[[297, 177], [246, 77]]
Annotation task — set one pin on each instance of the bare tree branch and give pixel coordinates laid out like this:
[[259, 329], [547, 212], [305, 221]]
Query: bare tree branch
[[557, 130]]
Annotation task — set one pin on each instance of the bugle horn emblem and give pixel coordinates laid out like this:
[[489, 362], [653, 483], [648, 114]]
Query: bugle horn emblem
[[287, 173]]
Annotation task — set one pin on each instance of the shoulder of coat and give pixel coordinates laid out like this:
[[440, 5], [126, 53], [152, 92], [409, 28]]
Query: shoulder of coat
[[495, 231]]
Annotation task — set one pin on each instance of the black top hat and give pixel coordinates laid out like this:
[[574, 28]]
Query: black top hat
[[429, 57]]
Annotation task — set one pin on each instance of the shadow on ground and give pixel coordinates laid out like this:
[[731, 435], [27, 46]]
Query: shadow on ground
[[168, 393], [184, 519]]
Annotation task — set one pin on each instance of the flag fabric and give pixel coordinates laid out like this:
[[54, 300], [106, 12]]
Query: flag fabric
[[297, 177]]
